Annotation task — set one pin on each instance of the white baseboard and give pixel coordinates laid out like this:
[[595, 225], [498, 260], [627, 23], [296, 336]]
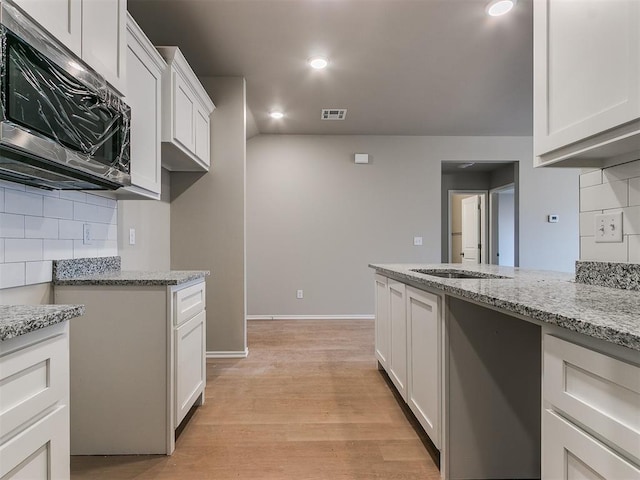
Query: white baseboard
[[228, 354], [311, 317]]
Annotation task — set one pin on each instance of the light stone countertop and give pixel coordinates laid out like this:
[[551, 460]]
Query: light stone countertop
[[134, 278], [16, 320], [606, 313]]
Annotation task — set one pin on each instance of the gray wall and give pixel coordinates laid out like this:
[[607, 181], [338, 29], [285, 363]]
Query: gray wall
[[315, 219], [151, 219], [208, 218]]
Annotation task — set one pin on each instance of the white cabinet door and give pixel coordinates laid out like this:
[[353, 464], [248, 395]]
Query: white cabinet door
[[104, 38], [397, 316], [61, 18], [587, 75], [382, 325], [424, 337], [190, 365], [569, 453], [144, 76], [202, 140], [41, 452], [184, 113]]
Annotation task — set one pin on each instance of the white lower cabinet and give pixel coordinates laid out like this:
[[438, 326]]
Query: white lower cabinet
[[591, 419], [382, 326], [408, 346], [424, 353], [34, 405], [137, 365], [398, 318]]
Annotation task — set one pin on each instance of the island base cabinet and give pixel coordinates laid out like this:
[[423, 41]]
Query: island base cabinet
[[571, 454], [382, 325], [398, 356]]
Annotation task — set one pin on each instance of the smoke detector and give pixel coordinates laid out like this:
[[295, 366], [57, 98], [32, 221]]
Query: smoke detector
[[333, 113]]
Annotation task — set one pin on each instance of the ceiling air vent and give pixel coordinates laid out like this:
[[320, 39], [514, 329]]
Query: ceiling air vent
[[333, 113]]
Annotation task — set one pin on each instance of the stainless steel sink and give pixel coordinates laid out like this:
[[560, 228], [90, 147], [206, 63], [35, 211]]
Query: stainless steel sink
[[449, 273]]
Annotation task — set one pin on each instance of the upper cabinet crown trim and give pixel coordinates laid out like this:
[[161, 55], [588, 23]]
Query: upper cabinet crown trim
[[139, 36], [174, 57]]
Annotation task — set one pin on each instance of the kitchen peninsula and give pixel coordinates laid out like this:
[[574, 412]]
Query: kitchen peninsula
[[138, 360], [517, 374]]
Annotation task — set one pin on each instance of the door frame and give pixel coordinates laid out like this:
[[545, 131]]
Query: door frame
[[484, 195], [493, 224]]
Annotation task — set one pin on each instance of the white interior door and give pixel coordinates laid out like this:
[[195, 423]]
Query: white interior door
[[471, 229]]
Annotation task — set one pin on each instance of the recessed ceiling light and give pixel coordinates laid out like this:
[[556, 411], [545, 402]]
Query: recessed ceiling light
[[318, 62], [495, 8], [276, 115]]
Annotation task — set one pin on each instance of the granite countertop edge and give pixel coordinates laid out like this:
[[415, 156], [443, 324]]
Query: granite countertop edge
[[523, 296], [17, 320], [135, 278]]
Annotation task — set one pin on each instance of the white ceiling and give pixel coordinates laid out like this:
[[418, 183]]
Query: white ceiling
[[400, 67]]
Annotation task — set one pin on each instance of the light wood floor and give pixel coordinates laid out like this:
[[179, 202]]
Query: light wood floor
[[308, 403]]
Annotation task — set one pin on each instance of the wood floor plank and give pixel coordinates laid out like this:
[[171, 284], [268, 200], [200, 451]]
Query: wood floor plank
[[308, 403]]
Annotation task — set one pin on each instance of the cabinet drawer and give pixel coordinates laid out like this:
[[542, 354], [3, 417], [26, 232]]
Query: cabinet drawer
[[569, 453], [39, 452], [598, 391], [32, 379], [188, 302]]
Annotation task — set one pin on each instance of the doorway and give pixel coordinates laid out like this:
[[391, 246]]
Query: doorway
[[494, 186], [467, 232]]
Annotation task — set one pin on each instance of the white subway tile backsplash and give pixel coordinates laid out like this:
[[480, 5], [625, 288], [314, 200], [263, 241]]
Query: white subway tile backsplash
[[634, 248], [80, 250], [12, 274], [602, 252], [70, 230], [591, 178], [631, 221], [22, 250], [22, 203], [58, 208], [11, 226], [634, 191], [57, 249], [40, 227], [11, 185], [621, 172], [73, 195], [587, 224], [607, 195], [38, 272]]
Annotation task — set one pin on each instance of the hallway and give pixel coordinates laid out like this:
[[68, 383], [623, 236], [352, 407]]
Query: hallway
[[308, 403]]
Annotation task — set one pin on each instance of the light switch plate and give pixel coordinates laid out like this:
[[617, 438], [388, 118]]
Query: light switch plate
[[608, 227], [417, 241]]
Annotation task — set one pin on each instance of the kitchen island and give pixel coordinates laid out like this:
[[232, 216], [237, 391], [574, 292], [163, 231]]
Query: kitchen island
[[34, 390], [526, 376], [138, 360]]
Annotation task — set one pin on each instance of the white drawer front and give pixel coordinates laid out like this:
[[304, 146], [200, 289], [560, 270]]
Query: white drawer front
[[39, 452], [570, 454], [189, 302], [599, 391], [31, 380]]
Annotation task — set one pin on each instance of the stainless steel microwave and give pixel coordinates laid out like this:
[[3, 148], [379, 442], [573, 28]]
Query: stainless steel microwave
[[61, 125]]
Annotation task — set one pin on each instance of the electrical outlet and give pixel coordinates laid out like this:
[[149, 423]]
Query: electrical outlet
[[86, 234], [132, 236], [417, 241], [608, 227], [299, 294]]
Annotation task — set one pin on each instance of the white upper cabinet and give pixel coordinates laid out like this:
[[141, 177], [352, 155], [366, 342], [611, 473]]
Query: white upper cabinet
[[186, 108], [104, 39], [586, 82], [144, 88], [61, 18], [95, 30]]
